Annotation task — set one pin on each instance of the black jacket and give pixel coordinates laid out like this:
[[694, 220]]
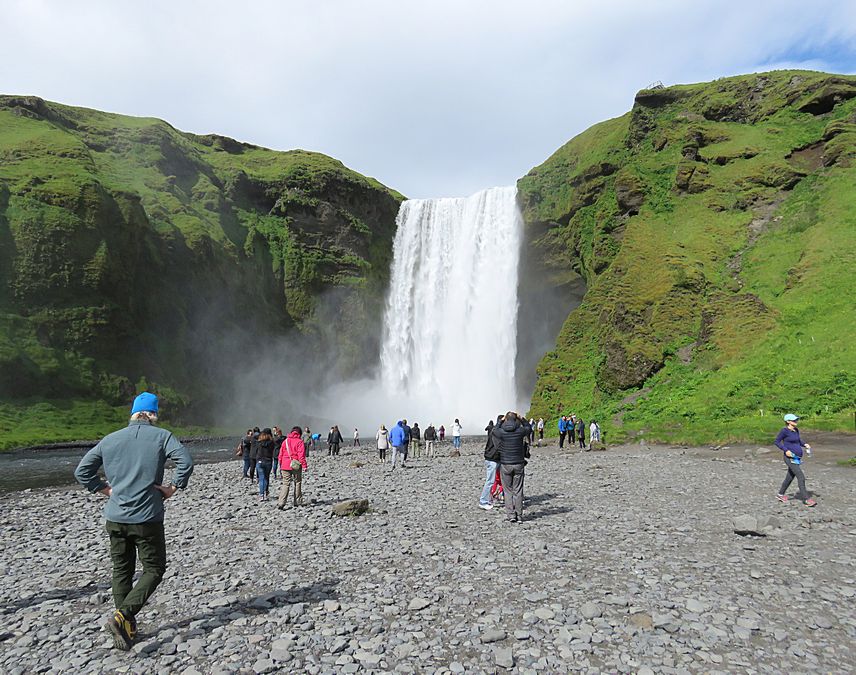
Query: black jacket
[[430, 434], [415, 432], [334, 438], [510, 438], [265, 451]]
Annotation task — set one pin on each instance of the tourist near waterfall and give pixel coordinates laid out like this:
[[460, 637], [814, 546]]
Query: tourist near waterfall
[[430, 440], [794, 449], [456, 434], [510, 438], [382, 438], [133, 461], [334, 441], [292, 459], [265, 450]]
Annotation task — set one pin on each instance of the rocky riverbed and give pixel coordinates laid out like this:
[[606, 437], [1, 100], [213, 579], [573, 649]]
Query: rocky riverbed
[[626, 562]]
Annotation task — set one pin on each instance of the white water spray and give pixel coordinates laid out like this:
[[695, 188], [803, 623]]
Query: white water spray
[[450, 327]]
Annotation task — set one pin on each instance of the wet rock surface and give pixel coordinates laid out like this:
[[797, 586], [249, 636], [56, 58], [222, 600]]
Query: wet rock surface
[[627, 561]]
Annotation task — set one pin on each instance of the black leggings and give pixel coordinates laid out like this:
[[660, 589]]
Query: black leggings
[[794, 471]]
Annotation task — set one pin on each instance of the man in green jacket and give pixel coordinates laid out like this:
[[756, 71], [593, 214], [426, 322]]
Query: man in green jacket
[[133, 460]]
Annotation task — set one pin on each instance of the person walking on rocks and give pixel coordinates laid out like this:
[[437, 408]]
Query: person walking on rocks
[[278, 438], [334, 440], [356, 438], [510, 438], [572, 430], [581, 433], [254, 449], [442, 433], [382, 438], [456, 434], [416, 439], [244, 450], [407, 439], [133, 461], [264, 461], [540, 430], [430, 439], [396, 439], [292, 459], [790, 443]]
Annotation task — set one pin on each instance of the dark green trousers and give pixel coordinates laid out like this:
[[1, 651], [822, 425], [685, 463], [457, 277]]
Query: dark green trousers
[[127, 541]]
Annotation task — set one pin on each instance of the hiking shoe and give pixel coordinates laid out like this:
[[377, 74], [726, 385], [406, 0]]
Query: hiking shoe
[[486, 507], [122, 630], [783, 498], [810, 502]]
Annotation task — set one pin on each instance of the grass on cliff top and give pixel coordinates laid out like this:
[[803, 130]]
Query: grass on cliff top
[[179, 176]]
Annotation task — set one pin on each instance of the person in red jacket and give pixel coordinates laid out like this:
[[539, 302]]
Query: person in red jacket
[[292, 463]]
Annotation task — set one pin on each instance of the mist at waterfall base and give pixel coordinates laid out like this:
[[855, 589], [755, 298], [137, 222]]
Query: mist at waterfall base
[[450, 324]]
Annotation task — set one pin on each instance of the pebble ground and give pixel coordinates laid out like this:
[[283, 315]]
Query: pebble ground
[[626, 563]]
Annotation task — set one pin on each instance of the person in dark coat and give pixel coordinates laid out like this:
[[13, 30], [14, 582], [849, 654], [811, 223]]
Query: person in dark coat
[[334, 440], [581, 433], [510, 438], [254, 452], [265, 450]]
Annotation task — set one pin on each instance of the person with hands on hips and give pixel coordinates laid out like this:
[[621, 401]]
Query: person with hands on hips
[[133, 460]]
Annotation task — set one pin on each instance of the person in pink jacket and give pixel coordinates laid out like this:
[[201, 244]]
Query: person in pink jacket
[[292, 462]]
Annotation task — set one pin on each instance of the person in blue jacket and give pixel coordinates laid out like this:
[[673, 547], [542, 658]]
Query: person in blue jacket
[[790, 443], [563, 430], [398, 441]]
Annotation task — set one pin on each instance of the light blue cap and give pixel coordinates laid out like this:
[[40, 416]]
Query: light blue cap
[[790, 417]]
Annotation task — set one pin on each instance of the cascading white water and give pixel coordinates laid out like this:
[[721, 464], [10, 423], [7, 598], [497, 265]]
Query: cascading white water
[[450, 327]]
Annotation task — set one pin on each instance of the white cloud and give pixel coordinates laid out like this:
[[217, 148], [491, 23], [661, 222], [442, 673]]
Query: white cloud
[[439, 98]]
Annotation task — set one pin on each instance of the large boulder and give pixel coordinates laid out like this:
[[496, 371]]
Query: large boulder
[[352, 507]]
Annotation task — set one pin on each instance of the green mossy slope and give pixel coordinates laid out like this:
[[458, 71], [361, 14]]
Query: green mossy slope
[[130, 250], [715, 226]]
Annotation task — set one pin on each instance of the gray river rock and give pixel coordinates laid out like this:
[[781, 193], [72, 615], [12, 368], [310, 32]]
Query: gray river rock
[[627, 562]]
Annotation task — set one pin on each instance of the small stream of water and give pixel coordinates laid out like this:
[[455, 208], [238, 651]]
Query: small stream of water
[[49, 468]]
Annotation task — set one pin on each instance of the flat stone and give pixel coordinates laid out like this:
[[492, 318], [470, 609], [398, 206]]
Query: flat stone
[[418, 604], [503, 657], [591, 610], [493, 635]]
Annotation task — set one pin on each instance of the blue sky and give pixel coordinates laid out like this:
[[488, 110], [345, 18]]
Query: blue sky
[[439, 98]]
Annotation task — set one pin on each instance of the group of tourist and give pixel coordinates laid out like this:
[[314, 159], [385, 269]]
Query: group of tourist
[[267, 453], [404, 438], [574, 429], [133, 460]]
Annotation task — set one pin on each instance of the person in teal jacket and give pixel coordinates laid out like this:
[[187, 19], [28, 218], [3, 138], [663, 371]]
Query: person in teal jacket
[[133, 460]]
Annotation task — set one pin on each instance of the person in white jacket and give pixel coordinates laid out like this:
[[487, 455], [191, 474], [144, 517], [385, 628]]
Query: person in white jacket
[[456, 434], [382, 437], [594, 433]]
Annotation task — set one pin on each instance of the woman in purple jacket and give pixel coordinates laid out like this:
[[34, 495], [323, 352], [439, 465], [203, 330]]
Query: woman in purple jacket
[[790, 443]]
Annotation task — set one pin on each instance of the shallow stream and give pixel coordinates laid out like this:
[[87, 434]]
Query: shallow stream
[[25, 469]]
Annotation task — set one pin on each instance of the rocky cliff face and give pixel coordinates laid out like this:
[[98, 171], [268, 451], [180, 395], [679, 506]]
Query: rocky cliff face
[[131, 250], [713, 227]]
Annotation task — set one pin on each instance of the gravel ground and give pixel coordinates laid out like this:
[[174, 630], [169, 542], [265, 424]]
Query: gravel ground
[[626, 562]]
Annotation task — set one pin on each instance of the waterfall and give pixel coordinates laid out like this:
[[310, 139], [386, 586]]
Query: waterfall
[[450, 325]]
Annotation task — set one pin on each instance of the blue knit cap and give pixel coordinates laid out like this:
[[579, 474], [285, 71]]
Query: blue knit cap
[[145, 402]]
